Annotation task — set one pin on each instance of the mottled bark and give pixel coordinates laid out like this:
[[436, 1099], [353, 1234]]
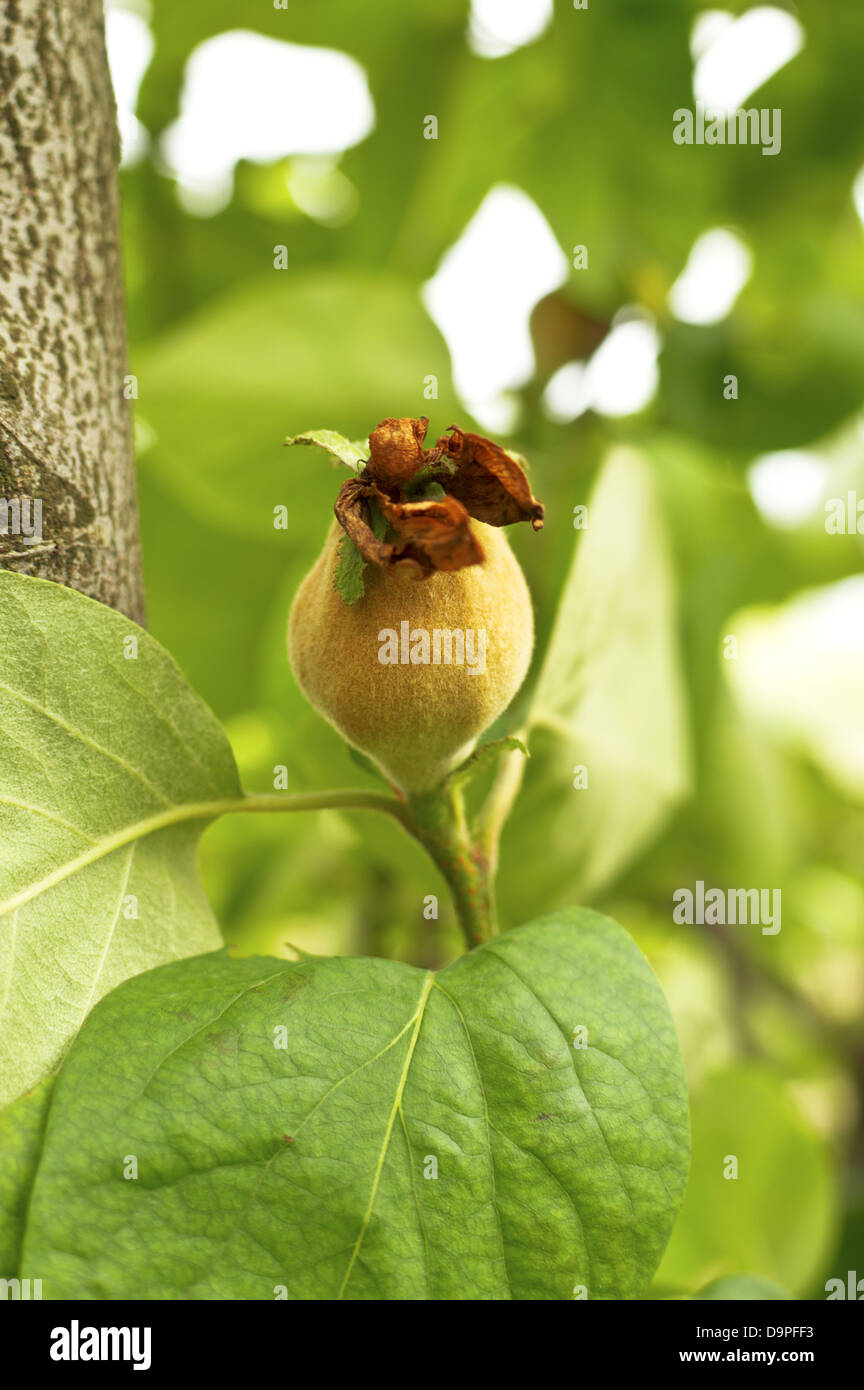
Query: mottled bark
[[65, 426]]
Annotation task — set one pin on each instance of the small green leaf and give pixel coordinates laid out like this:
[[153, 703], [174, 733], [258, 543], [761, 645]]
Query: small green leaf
[[348, 579], [99, 736], [353, 455], [484, 756], [433, 492], [425, 484], [366, 763], [512, 1127], [377, 520]]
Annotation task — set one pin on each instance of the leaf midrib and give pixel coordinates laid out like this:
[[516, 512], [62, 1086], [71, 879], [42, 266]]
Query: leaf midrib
[[174, 815], [394, 1111]]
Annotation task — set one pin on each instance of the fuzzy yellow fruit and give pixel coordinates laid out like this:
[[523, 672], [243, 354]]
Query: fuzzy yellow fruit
[[416, 718]]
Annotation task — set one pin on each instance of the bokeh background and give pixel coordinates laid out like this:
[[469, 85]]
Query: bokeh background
[[257, 136]]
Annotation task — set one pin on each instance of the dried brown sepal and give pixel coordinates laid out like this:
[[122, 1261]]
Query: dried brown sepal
[[433, 533], [430, 535], [489, 483], [352, 513], [396, 451], [478, 478]]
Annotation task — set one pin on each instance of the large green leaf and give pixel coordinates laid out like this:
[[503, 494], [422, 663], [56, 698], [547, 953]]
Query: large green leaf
[[308, 1166], [610, 691], [100, 743]]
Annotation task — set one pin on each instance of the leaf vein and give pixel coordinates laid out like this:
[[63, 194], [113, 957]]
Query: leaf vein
[[417, 1021]]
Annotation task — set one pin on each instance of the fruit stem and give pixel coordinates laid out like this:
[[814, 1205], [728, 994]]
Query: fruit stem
[[437, 819]]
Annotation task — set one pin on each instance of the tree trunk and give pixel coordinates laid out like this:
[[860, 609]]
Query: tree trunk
[[65, 427]]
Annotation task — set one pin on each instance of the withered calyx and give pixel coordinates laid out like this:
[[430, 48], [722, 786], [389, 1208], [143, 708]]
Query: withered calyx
[[471, 476]]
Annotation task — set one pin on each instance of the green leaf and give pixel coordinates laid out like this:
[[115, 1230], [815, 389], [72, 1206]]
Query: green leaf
[[366, 763], [417, 1136], [610, 688], [377, 520], [736, 1287], [387, 44], [101, 741], [354, 456], [729, 1223], [22, 1127], [348, 579], [425, 485], [211, 594], [485, 756], [217, 388]]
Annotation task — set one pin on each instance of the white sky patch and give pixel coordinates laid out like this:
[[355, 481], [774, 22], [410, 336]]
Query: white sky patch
[[707, 29], [482, 295], [858, 194], [800, 673], [787, 487], [499, 27], [734, 57], [250, 97], [567, 395], [130, 48], [717, 269], [621, 377], [623, 374]]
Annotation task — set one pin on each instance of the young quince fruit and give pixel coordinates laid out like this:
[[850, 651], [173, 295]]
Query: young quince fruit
[[413, 630]]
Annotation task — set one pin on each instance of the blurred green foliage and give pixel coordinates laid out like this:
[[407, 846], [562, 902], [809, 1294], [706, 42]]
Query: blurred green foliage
[[232, 355]]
